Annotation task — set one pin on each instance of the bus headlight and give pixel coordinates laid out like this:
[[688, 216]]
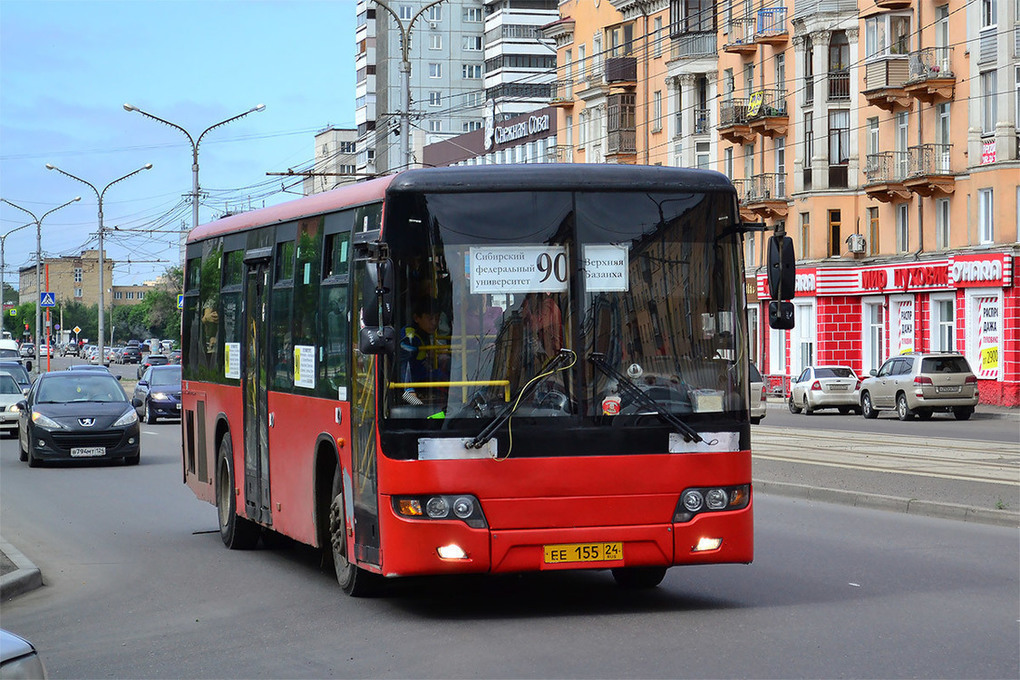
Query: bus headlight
[[711, 499], [439, 507]]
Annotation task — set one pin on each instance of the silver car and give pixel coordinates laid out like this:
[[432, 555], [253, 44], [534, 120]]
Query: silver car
[[10, 394], [920, 383], [757, 404], [825, 387]]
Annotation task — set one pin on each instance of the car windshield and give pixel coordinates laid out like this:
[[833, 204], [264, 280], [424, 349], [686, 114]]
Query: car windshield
[[66, 388], [8, 385], [8, 354], [169, 376], [17, 372], [834, 372], [945, 365]]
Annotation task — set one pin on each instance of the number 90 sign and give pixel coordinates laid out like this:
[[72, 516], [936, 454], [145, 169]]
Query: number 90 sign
[[518, 269]]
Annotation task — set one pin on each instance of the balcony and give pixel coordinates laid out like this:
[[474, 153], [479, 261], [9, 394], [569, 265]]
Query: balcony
[[767, 114], [742, 186], [839, 86], [884, 82], [702, 121], [560, 153], [621, 71], [693, 46], [621, 142], [562, 93], [885, 173], [892, 4], [765, 195], [770, 26], [733, 124], [931, 75], [929, 170], [740, 39]]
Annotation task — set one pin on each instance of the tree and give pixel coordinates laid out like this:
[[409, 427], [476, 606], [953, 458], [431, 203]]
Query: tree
[[161, 314]]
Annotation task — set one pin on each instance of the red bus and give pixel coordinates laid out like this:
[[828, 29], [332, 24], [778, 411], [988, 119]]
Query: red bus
[[486, 369]]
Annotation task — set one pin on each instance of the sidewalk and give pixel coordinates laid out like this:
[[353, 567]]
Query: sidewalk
[[947, 478]]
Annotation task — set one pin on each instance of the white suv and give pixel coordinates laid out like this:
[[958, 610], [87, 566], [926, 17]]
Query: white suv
[[920, 383]]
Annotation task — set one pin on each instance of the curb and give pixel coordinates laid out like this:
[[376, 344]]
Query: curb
[[910, 506], [25, 578]]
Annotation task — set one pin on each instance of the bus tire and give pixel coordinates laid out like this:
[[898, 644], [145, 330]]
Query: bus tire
[[238, 533], [639, 578], [354, 581]]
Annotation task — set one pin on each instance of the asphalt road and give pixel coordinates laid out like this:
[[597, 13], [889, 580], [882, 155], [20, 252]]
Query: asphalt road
[[139, 585]]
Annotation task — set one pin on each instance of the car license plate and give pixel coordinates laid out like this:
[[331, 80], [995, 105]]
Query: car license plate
[[947, 388], [88, 451], [583, 552], [838, 388]]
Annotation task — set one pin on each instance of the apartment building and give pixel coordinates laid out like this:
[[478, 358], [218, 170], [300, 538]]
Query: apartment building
[[72, 278], [881, 134], [335, 160]]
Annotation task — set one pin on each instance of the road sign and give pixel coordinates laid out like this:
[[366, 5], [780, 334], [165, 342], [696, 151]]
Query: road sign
[[47, 299], [76, 330], [14, 312], [180, 302]]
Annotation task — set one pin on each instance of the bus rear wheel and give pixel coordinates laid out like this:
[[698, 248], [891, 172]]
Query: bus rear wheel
[[637, 578], [355, 582], [238, 533]]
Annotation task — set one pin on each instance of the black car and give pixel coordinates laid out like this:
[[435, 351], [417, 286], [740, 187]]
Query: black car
[[158, 393], [152, 360], [131, 354], [77, 415], [17, 371]]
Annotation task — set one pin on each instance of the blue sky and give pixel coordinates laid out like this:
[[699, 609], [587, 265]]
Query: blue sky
[[67, 68]]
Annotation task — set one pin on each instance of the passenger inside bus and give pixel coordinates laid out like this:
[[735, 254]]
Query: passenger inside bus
[[422, 359]]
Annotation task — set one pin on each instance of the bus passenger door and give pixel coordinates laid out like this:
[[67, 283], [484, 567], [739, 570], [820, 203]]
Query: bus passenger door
[[254, 387]]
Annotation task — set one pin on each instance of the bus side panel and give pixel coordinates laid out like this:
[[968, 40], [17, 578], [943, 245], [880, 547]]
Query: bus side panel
[[297, 423], [201, 404]]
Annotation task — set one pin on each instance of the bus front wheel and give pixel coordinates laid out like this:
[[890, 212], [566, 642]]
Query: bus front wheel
[[238, 533], [635, 578], [355, 582]]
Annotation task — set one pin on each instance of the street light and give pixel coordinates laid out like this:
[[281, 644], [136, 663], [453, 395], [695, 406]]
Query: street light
[[38, 258], [194, 148], [102, 264], [405, 77], [3, 240]]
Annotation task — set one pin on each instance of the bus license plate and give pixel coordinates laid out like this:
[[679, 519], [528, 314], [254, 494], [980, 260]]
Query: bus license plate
[[583, 552], [88, 451]]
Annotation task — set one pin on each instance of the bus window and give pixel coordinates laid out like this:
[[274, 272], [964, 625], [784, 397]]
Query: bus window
[[334, 336], [281, 344]]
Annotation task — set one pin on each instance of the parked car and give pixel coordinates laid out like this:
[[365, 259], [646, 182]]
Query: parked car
[[758, 404], [71, 349], [158, 393], [152, 360], [175, 357], [18, 658], [77, 415], [921, 383], [27, 350], [132, 354], [10, 395], [821, 387], [17, 371], [10, 350]]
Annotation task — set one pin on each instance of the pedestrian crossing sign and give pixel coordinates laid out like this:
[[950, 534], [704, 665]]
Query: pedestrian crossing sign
[[47, 299]]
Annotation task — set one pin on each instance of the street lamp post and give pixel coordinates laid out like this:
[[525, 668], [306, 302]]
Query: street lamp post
[[38, 258], [3, 241], [194, 148], [405, 77], [102, 264]]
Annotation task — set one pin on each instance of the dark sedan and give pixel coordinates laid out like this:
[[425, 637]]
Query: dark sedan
[[77, 415], [132, 354], [158, 393], [152, 360]]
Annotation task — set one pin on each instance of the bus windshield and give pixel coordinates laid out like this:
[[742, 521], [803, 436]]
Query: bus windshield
[[491, 288]]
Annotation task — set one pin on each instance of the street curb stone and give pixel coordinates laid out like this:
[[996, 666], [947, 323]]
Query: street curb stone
[[25, 577]]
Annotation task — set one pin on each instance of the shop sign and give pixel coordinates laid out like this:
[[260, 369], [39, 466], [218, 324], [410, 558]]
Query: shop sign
[[992, 270], [987, 151], [918, 277], [988, 319], [904, 319]]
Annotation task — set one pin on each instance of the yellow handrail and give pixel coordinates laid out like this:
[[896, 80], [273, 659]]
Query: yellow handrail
[[458, 383]]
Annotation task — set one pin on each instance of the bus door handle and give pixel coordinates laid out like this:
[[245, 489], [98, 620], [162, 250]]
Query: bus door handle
[[272, 419]]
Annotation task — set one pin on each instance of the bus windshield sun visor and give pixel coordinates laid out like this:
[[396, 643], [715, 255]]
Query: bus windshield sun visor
[[627, 386]]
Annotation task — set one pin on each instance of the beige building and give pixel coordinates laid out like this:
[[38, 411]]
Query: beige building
[[76, 279]]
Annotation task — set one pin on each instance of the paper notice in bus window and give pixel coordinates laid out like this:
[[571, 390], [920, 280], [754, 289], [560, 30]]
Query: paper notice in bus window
[[519, 269], [304, 366], [232, 360], [605, 268]]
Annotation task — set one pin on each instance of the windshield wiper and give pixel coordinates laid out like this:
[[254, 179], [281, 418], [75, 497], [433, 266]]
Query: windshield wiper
[[504, 415], [627, 386]]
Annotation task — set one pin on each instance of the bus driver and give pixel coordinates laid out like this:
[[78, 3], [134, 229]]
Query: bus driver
[[419, 360]]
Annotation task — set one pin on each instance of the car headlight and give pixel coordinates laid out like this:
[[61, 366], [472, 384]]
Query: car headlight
[[159, 396], [129, 418], [48, 423]]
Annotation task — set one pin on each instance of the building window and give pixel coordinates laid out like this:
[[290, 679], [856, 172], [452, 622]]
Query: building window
[[435, 98], [435, 13], [805, 235], [809, 149], [886, 34], [702, 155], [835, 242], [874, 329], [809, 71], [472, 15], [141, 295], [839, 147], [873, 243], [657, 111], [472, 125], [78, 292], [749, 256], [902, 227], [435, 70], [77, 275], [118, 295], [942, 223], [471, 71], [873, 136], [728, 161], [657, 49], [435, 126], [406, 12], [988, 13], [472, 43], [435, 41], [986, 216], [989, 110]]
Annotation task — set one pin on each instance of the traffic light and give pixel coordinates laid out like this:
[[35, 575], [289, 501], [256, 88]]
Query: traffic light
[[26, 326]]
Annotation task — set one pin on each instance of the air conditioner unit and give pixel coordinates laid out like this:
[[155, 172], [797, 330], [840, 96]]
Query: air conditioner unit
[[433, 25], [856, 243]]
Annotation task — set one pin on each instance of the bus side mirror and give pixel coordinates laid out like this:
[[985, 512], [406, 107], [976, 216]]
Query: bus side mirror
[[782, 271], [378, 309], [781, 315], [377, 340]]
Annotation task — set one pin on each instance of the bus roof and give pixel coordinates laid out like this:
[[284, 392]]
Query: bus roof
[[478, 178]]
